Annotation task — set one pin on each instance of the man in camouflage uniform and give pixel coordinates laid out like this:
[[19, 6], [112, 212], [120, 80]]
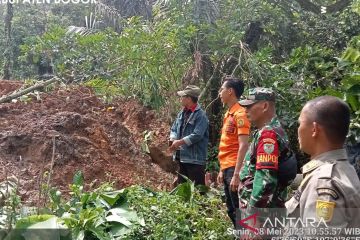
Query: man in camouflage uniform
[[260, 186], [330, 187]]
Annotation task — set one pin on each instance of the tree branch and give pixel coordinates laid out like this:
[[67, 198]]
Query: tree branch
[[12, 96], [212, 78]]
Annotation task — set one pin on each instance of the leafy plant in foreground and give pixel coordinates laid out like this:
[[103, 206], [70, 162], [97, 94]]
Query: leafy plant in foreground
[[131, 213]]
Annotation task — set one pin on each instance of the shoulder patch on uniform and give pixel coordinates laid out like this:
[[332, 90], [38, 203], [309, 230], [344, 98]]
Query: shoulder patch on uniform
[[325, 210], [241, 123], [269, 148], [269, 145], [327, 191], [267, 151]]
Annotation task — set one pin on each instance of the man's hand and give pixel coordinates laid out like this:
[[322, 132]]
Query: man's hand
[[235, 181], [220, 178], [176, 144]]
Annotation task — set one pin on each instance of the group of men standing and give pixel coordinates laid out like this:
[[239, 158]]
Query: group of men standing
[[254, 174]]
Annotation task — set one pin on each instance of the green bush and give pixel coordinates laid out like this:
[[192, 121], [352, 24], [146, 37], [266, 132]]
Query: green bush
[[168, 216], [131, 213]]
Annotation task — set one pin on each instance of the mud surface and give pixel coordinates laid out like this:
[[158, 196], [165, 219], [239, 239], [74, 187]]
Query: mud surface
[[102, 140]]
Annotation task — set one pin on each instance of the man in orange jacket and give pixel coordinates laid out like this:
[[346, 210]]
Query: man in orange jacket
[[234, 142]]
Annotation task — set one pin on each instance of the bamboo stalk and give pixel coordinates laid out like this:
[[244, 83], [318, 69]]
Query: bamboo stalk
[[12, 96]]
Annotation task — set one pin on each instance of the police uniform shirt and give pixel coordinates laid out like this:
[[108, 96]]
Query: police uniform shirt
[[329, 191]]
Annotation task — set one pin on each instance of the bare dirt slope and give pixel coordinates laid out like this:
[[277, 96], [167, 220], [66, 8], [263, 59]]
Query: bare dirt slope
[[101, 140]]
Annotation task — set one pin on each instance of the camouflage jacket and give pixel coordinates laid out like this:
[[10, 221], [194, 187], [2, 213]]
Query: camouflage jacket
[[259, 176]]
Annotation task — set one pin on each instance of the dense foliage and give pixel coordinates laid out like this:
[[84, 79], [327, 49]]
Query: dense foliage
[[298, 52], [145, 61], [35, 20], [148, 50], [130, 213]]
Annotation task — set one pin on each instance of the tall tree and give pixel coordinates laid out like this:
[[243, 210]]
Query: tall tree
[[113, 12], [8, 44]]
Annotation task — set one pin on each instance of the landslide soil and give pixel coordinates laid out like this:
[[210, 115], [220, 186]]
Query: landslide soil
[[102, 140]]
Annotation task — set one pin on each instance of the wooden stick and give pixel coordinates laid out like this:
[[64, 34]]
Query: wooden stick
[[12, 96], [51, 170]]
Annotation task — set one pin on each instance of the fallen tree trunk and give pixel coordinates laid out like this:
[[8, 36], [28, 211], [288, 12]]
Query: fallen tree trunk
[[12, 96]]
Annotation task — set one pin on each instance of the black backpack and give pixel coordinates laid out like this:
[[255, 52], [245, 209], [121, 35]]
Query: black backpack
[[287, 167]]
